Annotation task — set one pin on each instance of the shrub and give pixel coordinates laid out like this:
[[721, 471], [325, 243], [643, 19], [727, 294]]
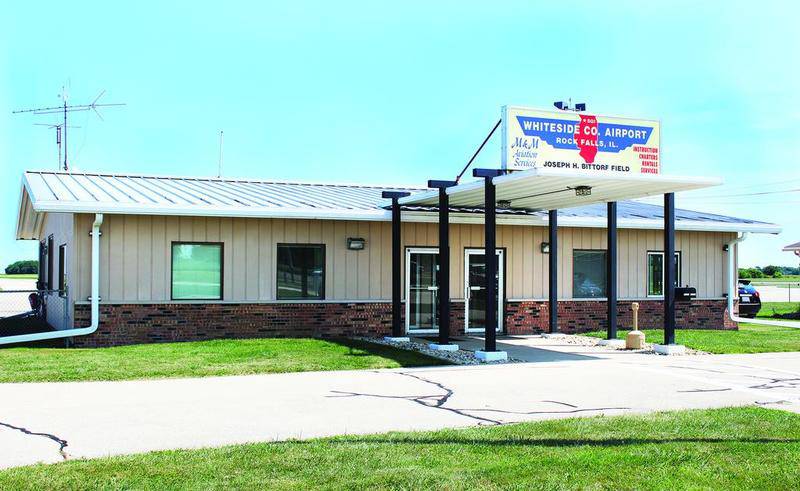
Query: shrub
[[23, 267], [750, 273]]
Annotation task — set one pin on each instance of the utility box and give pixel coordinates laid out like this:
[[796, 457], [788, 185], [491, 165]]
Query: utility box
[[685, 294]]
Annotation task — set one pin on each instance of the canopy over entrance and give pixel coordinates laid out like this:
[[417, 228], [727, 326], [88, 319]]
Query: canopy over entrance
[[536, 189], [552, 189]]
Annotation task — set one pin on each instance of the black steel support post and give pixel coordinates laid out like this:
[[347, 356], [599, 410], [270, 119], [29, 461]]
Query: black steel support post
[[490, 255], [669, 268], [553, 269], [444, 259], [397, 251], [611, 271]]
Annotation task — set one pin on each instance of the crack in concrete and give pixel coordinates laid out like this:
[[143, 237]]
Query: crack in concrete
[[62, 444], [698, 369], [777, 383], [566, 411], [437, 401], [691, 391], [781, 402], [563, 404], [433, 401]]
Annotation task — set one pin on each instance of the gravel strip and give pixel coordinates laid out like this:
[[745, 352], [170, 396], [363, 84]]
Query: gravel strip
[[460, 357], [648, 347]]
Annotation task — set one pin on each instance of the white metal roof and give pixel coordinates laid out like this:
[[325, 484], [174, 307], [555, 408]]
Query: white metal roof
[[78, 192], [554, 189]]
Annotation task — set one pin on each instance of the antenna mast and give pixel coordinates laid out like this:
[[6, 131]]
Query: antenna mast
[[58, 127], [64, 108]]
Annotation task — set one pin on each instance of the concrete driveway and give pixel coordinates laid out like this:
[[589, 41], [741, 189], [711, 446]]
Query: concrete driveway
[[49, 422]]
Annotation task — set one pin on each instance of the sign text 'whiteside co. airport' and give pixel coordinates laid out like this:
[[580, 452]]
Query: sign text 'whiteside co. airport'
[[534, 138]]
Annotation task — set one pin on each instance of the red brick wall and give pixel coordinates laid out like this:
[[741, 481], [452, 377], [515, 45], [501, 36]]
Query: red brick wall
[[152, 323], [579, 316]]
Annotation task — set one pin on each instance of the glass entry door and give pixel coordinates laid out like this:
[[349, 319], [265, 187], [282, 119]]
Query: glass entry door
[[475, 290], [422, 290]]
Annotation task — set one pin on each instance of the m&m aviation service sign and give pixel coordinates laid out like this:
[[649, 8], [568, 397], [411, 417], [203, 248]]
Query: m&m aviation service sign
[[566, 140]]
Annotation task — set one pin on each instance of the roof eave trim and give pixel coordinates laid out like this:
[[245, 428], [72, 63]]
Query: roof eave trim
[[385, 215], [211, 211]]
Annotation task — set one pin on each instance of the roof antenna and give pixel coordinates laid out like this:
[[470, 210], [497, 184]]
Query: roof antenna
[[57, 127], [578, 107], [219, 171], [64, 108]]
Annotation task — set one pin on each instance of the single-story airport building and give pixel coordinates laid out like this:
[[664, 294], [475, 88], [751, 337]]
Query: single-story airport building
[[155, 258]]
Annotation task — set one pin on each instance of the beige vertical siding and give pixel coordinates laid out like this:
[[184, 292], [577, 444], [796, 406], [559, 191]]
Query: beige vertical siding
[[135, 256], [59, 225]]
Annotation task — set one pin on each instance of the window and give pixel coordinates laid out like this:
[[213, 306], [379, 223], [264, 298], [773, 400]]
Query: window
[[196, 271], [40, 283], [655, 272], [62, 270], [50, 268], [301, 271], [588, 274]]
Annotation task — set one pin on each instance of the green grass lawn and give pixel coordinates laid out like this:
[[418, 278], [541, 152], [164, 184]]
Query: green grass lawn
[[737, 448], [19, 276], [769, 309], [199, 359], [750, 338]]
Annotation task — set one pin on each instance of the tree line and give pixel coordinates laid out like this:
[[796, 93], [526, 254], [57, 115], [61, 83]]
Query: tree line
[[23, 267], [770, 271]]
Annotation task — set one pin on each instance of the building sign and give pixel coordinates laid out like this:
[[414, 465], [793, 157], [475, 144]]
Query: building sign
[[566, 140]]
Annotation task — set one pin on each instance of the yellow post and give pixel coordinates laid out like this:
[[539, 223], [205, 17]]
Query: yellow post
[[635, 338]]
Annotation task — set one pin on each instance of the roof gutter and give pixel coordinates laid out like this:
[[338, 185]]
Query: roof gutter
[[733, 290], [95, 300]]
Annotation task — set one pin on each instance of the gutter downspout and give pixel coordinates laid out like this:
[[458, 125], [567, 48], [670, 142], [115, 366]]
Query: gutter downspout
[[733, 291], [95, 299]]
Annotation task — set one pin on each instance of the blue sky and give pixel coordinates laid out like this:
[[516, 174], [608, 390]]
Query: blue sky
[[403, 92]]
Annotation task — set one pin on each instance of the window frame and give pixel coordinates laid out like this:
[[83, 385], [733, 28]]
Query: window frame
[[605, 272], [647, 268], [50, 265], [324, 270], [172, 270], [41, 280], [62, 270]]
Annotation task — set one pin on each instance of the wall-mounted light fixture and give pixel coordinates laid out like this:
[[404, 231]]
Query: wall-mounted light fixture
[[583, 191], [545, 247], [356, 243]]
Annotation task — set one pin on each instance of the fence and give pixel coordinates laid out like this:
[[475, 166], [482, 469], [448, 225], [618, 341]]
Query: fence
[[778, 291], [26, 311], [779, 299]]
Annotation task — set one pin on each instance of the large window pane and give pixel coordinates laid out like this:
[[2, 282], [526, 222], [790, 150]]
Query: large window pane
[[196, 271], [423, 290], [588, 274], [655, 273], [301, 271]]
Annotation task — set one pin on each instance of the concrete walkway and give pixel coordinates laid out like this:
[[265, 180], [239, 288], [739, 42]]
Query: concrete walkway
[[49, 422]]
